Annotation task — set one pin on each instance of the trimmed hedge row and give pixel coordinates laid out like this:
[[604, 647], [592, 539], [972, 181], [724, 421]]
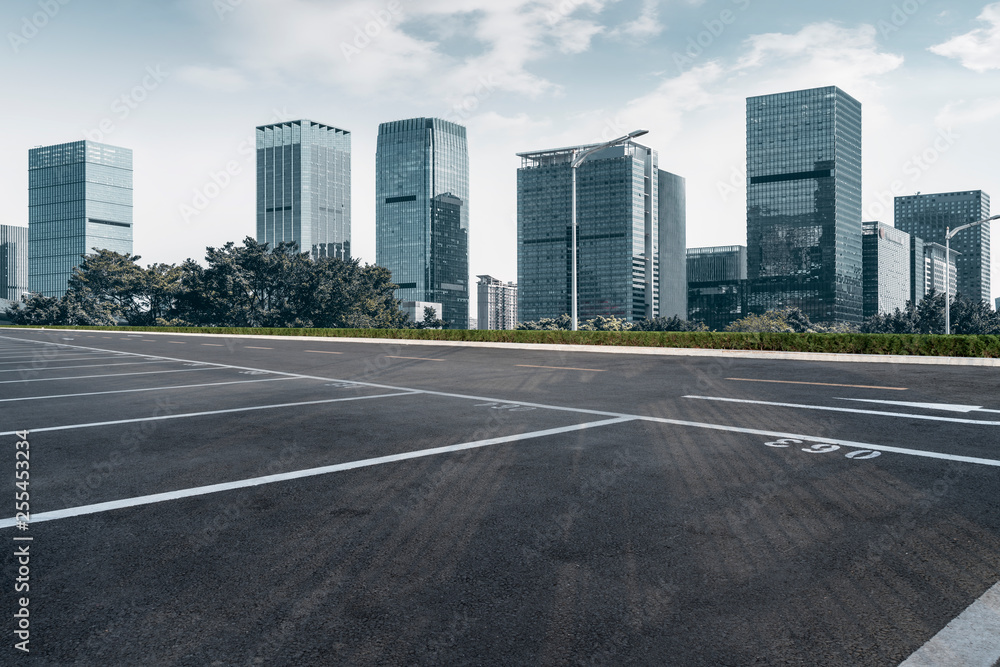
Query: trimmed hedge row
[[846, 343]]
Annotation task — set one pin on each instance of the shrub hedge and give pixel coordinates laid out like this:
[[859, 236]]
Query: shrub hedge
[[845, 343]]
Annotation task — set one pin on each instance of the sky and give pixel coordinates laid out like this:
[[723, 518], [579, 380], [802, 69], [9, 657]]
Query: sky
[[183, 83]]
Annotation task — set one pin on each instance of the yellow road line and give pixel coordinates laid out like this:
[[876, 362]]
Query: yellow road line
[[564, 368], [820, 384]]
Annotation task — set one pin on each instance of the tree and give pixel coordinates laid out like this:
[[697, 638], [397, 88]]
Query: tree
[[431, 320], [967, 317], [673, 323]]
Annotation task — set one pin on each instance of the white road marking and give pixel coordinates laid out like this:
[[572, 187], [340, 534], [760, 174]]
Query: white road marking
[[299, 474], [252, 347], [944, 407], [971, 640], [563, 368], [70, 427], [113, 375], [818, 384], [604, 413], [389, 356], [955, 420], [60, 359], [130, 391], [63, 368], [323, 351]]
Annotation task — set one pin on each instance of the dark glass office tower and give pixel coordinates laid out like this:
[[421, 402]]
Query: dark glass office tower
[[804, 203], [422, 213], [13, 262], [717, 279], [79, 200], [625, 207], [928, 216], [304, 187]]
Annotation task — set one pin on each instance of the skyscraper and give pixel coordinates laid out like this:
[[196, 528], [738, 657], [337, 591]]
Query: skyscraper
[[422, 213], [717, 279], [804, 203], [928, 216], [304, 187], [13, 262], [631, 233], [886, 258], [79, 200], [497, 304]]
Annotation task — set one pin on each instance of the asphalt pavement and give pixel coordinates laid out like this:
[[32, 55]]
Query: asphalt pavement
[[210, 500]]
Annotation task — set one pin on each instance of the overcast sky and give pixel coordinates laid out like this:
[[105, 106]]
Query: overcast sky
[[184, 82]]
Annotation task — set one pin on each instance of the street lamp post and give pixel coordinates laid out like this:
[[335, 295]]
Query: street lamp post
[[949, 233], [576, 162]]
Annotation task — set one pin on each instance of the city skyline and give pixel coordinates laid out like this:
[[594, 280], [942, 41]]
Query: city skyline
[[513, 75]]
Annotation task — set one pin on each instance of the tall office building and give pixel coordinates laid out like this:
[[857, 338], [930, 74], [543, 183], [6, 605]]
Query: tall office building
[[79, 200], [630, 235], [497, 304], [918, 279], [304, 187], [422, 213], [928, 216], [934, 268], [13, 262], [804, 203], [886, 260], [717, 279]]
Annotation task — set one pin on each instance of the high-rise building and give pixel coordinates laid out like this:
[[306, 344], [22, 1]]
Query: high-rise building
[[630, 235], [934, 267], [79, 200], [804, 203], [929, 216], [13, 262], [918, 277], [886, 260], [422, 213], [497, 304], [717, 285], [304, 187]]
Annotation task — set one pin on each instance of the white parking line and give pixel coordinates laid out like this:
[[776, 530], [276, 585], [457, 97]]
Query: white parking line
[[677, 422], [130, 391], [63, 368], [60, 359], [299, 474], [113, 375], [956, 420], [71, 427], [971, 640]]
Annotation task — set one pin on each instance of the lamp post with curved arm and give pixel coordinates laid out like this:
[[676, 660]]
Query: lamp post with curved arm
[[576, 162], [949, 233]]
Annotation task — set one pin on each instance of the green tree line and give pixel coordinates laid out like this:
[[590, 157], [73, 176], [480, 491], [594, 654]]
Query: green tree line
[[240, 286]]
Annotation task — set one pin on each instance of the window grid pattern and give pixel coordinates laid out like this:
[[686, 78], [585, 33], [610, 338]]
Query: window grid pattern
[[804, 203], [79, 200], [13, 262], [886, 255], [421, 192]]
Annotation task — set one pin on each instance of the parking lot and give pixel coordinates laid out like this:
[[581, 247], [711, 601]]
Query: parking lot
[[284, 501]]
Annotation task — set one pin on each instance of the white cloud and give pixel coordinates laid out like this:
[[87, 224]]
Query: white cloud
[[978, 50], [224, 79], [960, 113], [645, 27]]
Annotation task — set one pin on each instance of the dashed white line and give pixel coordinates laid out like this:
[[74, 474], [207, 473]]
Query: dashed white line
[[114, 375], [63, 368], [324, 352], [132, 391]]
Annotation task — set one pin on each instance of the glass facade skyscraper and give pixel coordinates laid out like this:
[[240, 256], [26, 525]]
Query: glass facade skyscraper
[[422, 213], [804, 203], [928, 216], [887, 271], [13, 262], [304, 187], [717, 279], [625, 206], [79, 200]]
